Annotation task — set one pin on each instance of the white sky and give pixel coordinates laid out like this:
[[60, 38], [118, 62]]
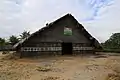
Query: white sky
[[31, 15]]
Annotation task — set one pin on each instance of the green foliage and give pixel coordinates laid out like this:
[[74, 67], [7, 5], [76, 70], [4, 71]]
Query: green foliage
[[13, 40], [113, 42], [109, 50], [24, 34], [2, 42]]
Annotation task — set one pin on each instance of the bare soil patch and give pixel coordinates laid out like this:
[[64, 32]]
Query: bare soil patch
[[99, 67]]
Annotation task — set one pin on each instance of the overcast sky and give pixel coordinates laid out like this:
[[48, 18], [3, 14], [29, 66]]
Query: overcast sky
[[101, 18]]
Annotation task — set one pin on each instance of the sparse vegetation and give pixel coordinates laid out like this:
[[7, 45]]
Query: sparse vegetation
[[61, 68], [51, 78], [43, 69], [113, 76], [116, 74], [7, 55]]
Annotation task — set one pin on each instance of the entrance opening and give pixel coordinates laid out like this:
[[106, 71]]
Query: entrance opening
[[66, 48]]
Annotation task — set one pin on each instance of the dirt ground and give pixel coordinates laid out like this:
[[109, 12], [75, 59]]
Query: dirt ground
[[58, 67]]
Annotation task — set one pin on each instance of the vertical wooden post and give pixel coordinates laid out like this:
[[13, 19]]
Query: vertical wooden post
[[21, 54]]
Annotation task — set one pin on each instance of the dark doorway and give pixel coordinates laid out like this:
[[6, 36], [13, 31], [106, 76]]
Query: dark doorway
[[66, 48]]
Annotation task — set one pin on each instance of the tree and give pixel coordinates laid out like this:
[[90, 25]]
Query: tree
[[2, 42], [13, 40], [113, 42], [24, 34]]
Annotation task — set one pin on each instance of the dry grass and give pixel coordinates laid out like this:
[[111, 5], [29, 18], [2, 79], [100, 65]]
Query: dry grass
[[43, 69], [60, 68], [50, 78], [115, 75], [8, 55], [6, 75]]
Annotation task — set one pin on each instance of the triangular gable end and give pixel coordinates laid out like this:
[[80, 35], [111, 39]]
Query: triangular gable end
[[48, 26]]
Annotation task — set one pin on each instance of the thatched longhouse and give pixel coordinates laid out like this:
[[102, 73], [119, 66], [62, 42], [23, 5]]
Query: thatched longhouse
[[63, 36]]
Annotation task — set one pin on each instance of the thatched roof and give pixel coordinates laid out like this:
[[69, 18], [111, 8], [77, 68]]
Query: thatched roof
[[84, 31]]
